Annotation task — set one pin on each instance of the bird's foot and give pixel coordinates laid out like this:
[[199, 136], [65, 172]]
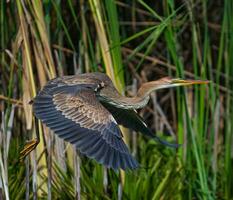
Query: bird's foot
[[29, 146]]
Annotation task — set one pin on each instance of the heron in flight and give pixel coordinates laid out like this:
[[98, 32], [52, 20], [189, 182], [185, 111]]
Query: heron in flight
[[86, 110]]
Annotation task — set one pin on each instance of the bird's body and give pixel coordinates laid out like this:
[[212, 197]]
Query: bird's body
[[86, 110]]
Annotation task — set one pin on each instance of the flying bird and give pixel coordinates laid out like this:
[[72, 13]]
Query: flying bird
[[86, 110]]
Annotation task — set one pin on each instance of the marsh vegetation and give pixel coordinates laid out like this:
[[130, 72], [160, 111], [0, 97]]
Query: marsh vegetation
[[133, 42]]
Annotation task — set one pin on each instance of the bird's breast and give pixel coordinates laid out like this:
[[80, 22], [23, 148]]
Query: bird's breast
[[125, 102]]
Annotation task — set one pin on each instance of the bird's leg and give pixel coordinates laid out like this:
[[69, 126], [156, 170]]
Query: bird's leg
[[31, 144]]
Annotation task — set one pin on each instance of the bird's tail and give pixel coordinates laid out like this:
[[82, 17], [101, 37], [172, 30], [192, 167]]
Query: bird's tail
[[164, 142]]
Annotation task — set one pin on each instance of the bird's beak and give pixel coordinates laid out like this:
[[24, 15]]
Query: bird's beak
[[181, 82]]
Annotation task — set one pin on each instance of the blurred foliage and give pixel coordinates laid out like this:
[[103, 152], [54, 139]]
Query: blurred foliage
[[133, 42]]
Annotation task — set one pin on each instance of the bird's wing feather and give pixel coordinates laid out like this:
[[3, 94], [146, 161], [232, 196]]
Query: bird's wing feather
[[130, 119], [75, 115]]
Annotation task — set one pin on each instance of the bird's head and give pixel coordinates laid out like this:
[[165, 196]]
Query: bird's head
[[168, 82]]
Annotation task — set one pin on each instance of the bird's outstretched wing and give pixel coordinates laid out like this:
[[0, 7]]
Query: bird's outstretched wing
[[130, 119], [74, 114]]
